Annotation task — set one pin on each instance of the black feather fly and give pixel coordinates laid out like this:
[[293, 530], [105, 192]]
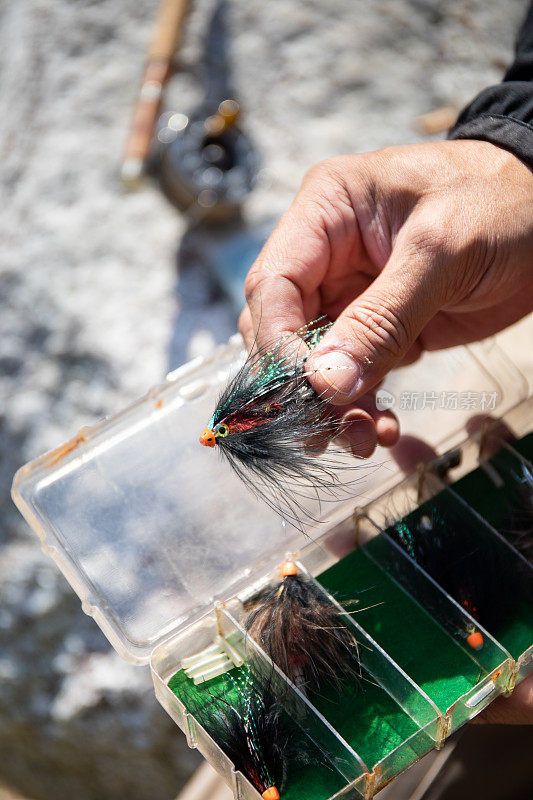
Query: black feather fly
[[518, 526], [303, 632], [268, 422], [251, 727], [468, 566]]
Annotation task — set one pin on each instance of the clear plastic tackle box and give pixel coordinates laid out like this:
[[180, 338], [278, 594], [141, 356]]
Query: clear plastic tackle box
[[163, 544]]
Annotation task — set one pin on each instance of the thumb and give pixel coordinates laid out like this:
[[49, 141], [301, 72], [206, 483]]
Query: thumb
[[375, 332]]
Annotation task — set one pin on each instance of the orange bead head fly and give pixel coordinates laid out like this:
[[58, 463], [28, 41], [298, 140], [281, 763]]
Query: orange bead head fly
[[274, 430], [209, 437]]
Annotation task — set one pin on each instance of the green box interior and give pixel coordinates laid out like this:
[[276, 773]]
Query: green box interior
[[363, 713], [515, 634], [367, 717], [391, 617], [488, 499], [315, 782]]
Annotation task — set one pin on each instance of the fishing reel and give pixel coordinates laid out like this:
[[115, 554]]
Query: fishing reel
[[204, 163], [205, 166]]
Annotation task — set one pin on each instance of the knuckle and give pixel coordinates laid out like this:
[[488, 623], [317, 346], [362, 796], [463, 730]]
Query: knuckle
[[431, 237], [381, 329], [323, 172], [252, 282], [433, 227]]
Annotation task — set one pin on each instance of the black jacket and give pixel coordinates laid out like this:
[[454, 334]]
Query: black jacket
[[503, 114]]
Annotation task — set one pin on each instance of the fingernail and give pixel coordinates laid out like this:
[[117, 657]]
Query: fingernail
[[339, 370]]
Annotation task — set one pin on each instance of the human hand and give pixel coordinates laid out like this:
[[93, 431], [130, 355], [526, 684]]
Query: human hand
[[408, 249]]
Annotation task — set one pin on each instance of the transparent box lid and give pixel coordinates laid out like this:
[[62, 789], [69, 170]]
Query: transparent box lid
[[150, 528]]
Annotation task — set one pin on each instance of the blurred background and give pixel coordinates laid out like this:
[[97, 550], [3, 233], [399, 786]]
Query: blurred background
[[103, 291]]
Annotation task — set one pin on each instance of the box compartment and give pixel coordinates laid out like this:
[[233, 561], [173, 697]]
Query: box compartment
[[159, 539]]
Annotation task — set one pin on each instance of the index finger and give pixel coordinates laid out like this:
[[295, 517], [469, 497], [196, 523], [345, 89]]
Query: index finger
[[282, 286]]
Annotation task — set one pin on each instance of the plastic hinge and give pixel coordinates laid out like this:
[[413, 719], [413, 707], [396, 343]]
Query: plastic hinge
[[443, 731], [371, 782]]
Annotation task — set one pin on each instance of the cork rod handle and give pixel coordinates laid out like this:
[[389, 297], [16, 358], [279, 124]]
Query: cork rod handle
[[167, 29], [161, 50]]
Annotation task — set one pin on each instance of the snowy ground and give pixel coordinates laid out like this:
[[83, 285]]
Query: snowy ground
[[101, 293]]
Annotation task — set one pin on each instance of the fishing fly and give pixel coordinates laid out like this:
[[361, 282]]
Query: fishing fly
[[270, 424], [303, 632], [518, 525], [465, 565], [249, 724]]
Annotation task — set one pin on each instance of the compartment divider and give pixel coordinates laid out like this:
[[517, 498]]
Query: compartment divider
[[514, 452], [422, 585], [494, 661], [484, 524], [524, 661], [428, 711], [297, 705], [389, 676]]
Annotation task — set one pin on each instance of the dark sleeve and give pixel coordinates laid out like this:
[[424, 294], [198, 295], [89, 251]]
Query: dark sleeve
[[503, 114]]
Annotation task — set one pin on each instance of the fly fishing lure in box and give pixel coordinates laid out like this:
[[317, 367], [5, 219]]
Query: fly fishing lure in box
[[465, 565], [247, 720], [518, 525], [133, 491], [303, 632]]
